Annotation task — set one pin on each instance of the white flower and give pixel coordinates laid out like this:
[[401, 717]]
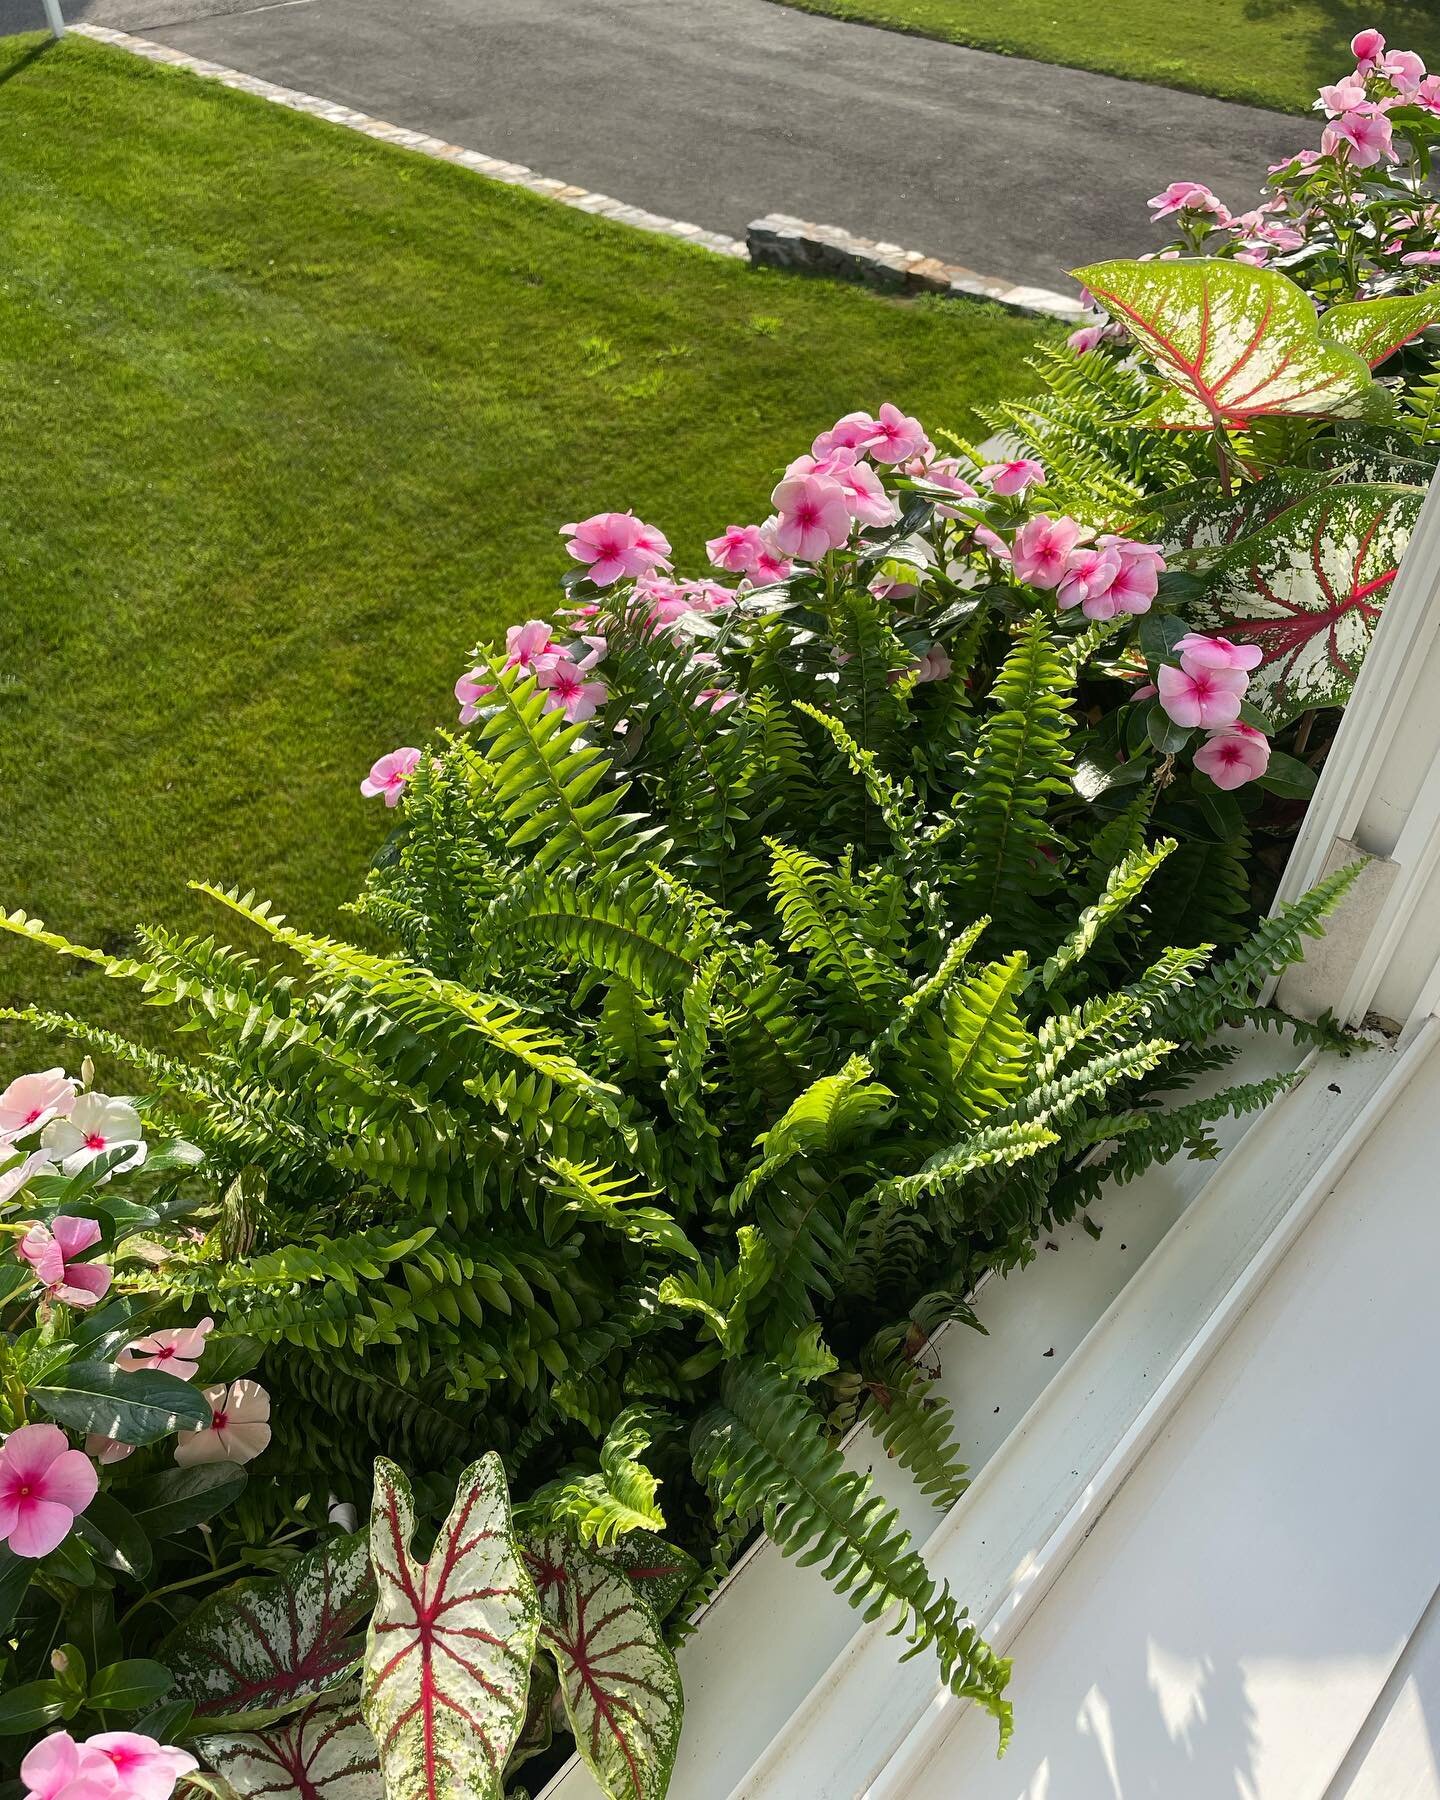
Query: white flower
[[96, 1125], [239, 1427]]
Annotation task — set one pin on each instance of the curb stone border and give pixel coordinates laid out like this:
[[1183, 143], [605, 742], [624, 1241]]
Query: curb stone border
[[776, 241]]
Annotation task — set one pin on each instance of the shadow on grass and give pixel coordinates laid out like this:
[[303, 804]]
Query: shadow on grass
[[21, 63]]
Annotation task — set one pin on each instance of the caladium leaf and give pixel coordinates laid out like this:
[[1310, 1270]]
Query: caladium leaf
[[1376, 329], [322, 1753], [1210, 519], [1309, 589], [264, 1647], [656, 1570], [1236, 344], [618, 1677], [448, 1659]]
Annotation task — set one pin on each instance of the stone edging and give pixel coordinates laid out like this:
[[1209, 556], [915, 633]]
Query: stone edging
[[777, 240]]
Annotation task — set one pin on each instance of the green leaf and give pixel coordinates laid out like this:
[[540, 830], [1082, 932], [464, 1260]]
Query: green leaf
[[447, 1661], [228, 1355], [265, 1647], [115, 1536], [71, 1561], [618, 1677], [1235, 343], [177, 1499], [1288, 776], [323, 1753], [15, 1573], [1375, 329], [136, 1408], [1162, 731], [1159, 634], [128, 1686], [655, 1569], [30, 1707]]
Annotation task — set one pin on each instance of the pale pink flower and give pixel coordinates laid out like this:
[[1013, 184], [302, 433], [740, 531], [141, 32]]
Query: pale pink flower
[[1012, 477], [1184, 196], [389, 774], [771, 564], [1205, 697], [53, 1250], [736, 550], [569, 692], [1089, 573], [1342, 96], [1086, 339], [1404, 69], [1257, 256], [106, 1450], [31, 1101], [1135, 587], [147, 1770], [470, 690], [814, 517], [527, 645], [239, 1427], [896, 436], [1041, 546], [1367, 47], [1428, 94], [1414, 259], [176, 1349], [935, 665], [1200, 652], [15, 1177], [57, 1768], [853, 432], [1234, 756], [864, 495], [43, 1485], [1362, 136], [616, 544], [1302, 159]]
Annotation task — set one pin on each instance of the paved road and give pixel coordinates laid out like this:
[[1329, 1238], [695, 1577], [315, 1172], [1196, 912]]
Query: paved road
[[719, 110]]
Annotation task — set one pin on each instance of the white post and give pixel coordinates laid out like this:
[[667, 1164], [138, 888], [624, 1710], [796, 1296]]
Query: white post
[[54, 18]]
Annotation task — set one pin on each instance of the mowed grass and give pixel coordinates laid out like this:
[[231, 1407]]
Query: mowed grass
[[1272, 53], [289, 420]]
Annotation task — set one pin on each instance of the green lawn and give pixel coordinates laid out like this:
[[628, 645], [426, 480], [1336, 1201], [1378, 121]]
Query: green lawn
[[1268, 52], [289, 420]]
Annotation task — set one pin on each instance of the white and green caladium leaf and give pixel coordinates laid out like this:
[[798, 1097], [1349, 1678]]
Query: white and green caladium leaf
[[1376, 329], [267, 1646], [1203, 518], [618, 1677], [322, 1753], [1236, 344], [1309, 589], [447, 1663], [656, 1570]]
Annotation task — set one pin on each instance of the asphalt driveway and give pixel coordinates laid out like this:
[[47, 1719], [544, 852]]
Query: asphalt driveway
[[717, 111]]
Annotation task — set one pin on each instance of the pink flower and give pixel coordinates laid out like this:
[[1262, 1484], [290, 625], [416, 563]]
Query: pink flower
[[51, 1252], [31, 1101], [771, 564], [1362, 136], [569, 692], [1012, 477], [528, 644], [177, 1349], [616, 544], [1040, 549], [470, 690], [1413, 259], [853, 432], [1205, 697], [389, 774], [1341, 96], [941, 472], [1089, 573], [43, 1485], [146, 1769], [1367, 47], [239, 1427], [1234, 756], [736, 550], [1404, 69], [15, 1177], [1184, 196], [106, 1450], [1134, 586], [57, 1768], [814, 516], [1428, 94], [1302, 159], [896, 436], [1198, 652], [864, 495], [935, 665], [1086, 339]]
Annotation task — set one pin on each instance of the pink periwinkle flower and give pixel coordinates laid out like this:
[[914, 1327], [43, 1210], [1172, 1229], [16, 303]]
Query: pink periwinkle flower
[[57, 1768], [470, 690], [239, 1427], [527, 645], [43, 1485], [1207, 697], [896, 436], [389, 773], [106, 1450], [1086, 338], [1040, 549], [615, 544], [813, 516], [1302, 159], [934, 665], [1362, 136], [95, 1125], [53, 1252], [15, 1177], [1404, 69], [1200, 652], [1427, 94], [1013, 477], [736, 550], [1367, 47], [853, 432], [1184, 196], [1342, 96], [145, 1769], [1233, 756], [569, 692], [1089, 573], [1414, 259], [176, 1349], [864, 494], [31, 1101]]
